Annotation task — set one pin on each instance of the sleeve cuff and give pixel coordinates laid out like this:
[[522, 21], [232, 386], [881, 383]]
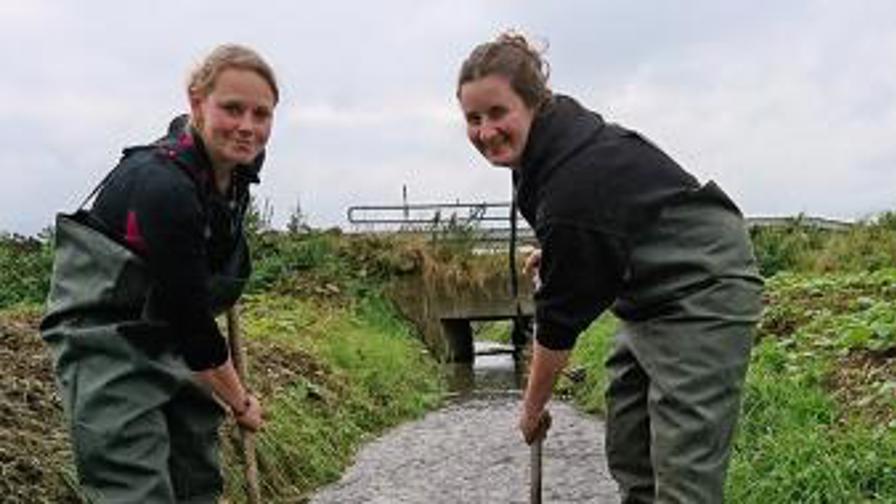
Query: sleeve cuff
[[554, 337], [208, 353]]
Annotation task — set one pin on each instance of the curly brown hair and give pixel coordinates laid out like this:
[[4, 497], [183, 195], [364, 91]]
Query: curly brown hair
[[512, 56]]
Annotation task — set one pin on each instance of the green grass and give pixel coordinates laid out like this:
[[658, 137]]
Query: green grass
[[793, 447], [359, 372], [868, 245], [587, 362], [25, 265], [497, 331]]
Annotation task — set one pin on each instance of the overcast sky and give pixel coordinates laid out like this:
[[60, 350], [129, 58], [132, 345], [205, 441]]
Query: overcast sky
[[790, 106]]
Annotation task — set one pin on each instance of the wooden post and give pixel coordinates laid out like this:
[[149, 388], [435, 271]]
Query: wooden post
[[247, 438]]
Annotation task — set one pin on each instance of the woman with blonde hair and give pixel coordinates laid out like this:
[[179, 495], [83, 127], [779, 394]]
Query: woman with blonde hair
[[137, 282]]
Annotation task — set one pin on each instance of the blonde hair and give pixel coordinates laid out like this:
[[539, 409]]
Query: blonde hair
[[512, 56], [202, 79]]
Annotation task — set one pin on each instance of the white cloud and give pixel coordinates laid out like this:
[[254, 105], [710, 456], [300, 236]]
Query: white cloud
[[328, 115], [789, 122], [789, 105]]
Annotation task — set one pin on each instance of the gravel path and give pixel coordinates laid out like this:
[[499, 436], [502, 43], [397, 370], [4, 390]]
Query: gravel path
[[471, 452]]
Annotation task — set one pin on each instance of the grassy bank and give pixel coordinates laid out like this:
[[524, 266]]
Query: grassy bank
[[819, 419], [330, 378], [332, 361]]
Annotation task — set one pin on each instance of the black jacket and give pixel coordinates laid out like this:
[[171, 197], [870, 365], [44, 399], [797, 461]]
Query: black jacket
[[160, 202], [594, 193]]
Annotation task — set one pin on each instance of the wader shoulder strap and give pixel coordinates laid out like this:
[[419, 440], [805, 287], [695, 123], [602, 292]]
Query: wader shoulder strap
[[127, 152], [96, 189]]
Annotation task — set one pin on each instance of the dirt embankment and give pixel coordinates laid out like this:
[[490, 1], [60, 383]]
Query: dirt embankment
[[34, 446], [35, 453]]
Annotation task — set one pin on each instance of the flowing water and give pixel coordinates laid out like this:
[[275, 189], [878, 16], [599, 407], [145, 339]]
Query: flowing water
[[471, 452]]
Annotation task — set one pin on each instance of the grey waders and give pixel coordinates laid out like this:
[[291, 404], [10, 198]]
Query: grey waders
[[676, 375]]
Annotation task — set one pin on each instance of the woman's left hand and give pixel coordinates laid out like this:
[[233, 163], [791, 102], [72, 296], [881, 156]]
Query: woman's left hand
[[251, 417]]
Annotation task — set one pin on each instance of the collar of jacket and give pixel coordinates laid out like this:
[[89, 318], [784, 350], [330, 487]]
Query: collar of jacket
[[558, 132], [184, 145]]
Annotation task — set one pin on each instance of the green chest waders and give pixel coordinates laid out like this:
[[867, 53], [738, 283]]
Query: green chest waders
[[143, 430], [677, 373]]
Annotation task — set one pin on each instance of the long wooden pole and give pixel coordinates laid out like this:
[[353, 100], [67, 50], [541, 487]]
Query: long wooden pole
[[535, 458], [247, 438]]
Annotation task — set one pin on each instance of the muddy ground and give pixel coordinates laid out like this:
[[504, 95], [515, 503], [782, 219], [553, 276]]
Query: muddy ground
[[34, 446]]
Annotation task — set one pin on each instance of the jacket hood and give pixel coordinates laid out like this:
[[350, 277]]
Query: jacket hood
[[558, 132]]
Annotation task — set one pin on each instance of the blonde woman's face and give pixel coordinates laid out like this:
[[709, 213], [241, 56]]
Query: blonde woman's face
[[235, 118], [498, 121]]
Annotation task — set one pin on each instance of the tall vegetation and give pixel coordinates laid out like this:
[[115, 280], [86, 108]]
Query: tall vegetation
[[25, 264], [867, 245], [330, 377]]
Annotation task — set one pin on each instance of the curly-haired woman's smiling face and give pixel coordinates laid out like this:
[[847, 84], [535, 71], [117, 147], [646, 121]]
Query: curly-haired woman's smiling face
[[498, 121]]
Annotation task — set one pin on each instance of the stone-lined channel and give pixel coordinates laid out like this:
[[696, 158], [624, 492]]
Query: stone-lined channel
[[470, 451]]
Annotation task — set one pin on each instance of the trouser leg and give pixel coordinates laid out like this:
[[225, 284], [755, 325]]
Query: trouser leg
[[628, 427], [113, 395], [696, 371], [193, 419]]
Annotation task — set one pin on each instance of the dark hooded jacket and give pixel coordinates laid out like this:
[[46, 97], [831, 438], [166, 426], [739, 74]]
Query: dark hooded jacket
[[620, 224], [161, 203]]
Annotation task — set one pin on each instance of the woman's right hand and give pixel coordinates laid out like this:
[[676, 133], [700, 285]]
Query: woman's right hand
[[530, 268], [251, 417]]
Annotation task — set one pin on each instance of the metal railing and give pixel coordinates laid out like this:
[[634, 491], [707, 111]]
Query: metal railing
[[800, 220], [481, 222], [490, 222]]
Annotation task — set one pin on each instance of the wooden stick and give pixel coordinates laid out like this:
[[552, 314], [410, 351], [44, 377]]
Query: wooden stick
[[247, 438], [544, 424], [535, 468]]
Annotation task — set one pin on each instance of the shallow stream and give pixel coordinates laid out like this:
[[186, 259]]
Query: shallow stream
[[470, 451]]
